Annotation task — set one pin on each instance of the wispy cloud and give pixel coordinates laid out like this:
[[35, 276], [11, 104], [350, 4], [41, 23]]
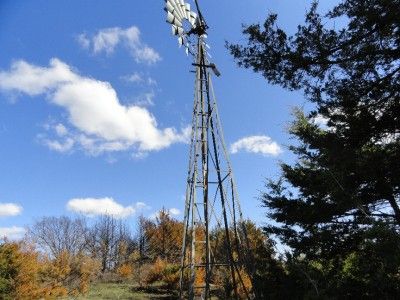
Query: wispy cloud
[[103, 206], [151, 81], [100, 123], [83, 41], [139, 79], [146, 99], [259, 144], [10, 209], [135, 78], [108, 39]]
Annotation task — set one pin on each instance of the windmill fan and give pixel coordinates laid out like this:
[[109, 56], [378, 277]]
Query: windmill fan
[[179, 13]]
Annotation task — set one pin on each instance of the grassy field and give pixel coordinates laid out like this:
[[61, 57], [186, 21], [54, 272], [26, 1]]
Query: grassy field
[[125, 291]]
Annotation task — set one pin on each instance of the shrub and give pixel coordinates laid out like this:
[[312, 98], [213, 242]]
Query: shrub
[[24, 274], [171, 276], [164, 272], [19, 267], [125, 271], [155, 271]]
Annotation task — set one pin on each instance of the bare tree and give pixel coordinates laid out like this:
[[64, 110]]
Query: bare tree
[[110, 242], [142, 242], [55, 235]]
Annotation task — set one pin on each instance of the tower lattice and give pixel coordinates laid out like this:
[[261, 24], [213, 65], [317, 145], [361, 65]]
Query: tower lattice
[[215, 242], [215, 248]]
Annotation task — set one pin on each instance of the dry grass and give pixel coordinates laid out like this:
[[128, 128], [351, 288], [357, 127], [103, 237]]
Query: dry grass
[[126, 291]]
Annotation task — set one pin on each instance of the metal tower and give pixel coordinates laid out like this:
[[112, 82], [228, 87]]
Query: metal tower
[[215, 245]]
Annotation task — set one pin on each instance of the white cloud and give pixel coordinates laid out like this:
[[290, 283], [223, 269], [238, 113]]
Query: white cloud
[[257, 144], [33, 80], [141, 205], [10, 209], [103, 206], [100, 122], [12, 233], [174, 212], [320, 121], [107, 39]]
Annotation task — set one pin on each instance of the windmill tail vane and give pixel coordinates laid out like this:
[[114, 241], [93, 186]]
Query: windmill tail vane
[[215, 244]]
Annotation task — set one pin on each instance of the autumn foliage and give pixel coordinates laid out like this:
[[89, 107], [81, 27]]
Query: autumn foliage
[[27, 274], [64, 256], [125, 271]]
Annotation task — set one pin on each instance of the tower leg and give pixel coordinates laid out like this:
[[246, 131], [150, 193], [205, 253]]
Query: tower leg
[[209, 219]]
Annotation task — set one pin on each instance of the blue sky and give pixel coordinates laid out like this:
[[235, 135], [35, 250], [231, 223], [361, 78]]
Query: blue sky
[[95, 100]]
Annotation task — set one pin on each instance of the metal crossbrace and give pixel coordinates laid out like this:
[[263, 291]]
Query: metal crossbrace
[[220, 212]]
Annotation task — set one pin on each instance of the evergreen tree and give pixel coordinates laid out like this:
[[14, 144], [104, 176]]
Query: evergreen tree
[[347, 175], [339, 202]]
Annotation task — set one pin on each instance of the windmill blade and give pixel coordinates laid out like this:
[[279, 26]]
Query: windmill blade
[[180, 41], [177, 30], [173, 20], [174, 30], [169, 6], [174, 13], [193, 18], [172, 7], [170, 17], [187, 10], [178, 6]]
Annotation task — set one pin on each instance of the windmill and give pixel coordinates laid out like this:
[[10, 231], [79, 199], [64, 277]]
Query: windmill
[[215, 246]]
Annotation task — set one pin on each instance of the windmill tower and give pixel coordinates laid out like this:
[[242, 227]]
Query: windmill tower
[[215, 245]]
